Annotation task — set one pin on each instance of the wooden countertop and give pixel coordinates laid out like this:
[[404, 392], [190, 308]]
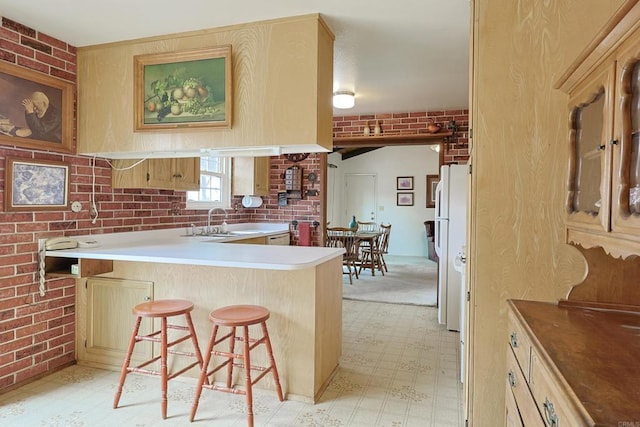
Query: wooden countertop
[[597, 352]]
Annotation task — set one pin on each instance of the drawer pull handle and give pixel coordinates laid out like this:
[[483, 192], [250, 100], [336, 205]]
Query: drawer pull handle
[[514, 340], [512, 378], [550, 413]]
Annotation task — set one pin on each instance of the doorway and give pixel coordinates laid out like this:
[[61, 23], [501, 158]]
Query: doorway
[[360, 197]]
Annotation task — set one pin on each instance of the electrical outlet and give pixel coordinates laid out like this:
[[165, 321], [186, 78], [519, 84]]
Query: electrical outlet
[[76, 206]]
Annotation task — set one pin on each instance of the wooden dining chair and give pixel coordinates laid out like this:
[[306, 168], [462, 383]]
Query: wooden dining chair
[[367, 226], [372, 256], [340, 237], [383, 244]]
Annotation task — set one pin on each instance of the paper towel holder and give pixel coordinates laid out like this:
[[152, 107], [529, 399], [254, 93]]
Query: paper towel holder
[[252, 201]]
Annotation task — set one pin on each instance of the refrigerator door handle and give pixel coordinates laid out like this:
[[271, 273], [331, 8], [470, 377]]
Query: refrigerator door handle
[[438, 197], [436, 229]]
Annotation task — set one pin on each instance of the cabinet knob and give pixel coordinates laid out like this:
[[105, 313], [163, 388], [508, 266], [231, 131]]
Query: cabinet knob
[[550, 413], [514, 339], [177, 175], [147, 298], [601, 147], [613, 142], [512, 378]]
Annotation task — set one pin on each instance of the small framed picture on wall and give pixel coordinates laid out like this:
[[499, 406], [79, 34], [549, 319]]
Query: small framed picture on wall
[[432, 183], [404, 183], [404, 199]]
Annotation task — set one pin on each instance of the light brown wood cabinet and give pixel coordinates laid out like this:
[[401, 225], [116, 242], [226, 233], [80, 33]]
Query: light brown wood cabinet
[[170, 174], [250, 176], [283, 239], [282, 87], [603, 186], [571, 366], [105, 321]]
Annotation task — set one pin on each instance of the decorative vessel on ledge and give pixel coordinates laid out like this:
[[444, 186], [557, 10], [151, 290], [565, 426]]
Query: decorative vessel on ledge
[[434, 127]]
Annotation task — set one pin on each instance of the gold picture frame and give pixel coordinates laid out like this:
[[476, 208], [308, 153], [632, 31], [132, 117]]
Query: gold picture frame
[[35, 185], [36, 110], [187, 89]]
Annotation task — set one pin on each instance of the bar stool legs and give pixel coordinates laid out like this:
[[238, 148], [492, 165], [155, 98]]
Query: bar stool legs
[[160, 309], [240, 316]]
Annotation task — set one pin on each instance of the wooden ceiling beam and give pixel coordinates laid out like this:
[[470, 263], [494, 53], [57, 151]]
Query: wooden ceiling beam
[[390, 140]]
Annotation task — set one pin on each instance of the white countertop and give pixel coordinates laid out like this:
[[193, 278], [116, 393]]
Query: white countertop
[[171, 247]]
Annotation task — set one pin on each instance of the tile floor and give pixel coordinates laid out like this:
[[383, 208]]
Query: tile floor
[[399, 368]]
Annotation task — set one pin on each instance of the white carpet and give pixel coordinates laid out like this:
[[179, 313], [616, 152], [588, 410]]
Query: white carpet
[[410, 280]]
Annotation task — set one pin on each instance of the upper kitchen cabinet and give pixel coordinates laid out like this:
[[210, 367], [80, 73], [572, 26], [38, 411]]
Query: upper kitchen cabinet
[[250, 176], [282, 83], [603, 185], [170, 174]]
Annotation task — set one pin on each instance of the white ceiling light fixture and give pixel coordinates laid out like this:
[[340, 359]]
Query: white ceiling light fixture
[[344, 99]]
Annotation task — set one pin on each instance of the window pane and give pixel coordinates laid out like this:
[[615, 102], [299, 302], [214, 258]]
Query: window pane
[[214, 183]]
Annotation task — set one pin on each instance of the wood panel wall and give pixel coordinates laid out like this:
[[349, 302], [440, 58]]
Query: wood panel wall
[[519, 155]]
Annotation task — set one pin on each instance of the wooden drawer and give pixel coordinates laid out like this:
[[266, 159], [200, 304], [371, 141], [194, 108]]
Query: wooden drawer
[[520, 344], [519, 388], [552, 398], [512, 415]]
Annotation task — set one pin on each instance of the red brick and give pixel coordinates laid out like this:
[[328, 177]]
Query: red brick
[[13, 368], [48, 59], [65, 56], [30, 372]]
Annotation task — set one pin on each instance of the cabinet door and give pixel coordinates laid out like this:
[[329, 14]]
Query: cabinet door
[[160, 173], [109, 320], [591, 133], [625, 193], [250, 176], [129, 173], [178, 173], [186, 173]]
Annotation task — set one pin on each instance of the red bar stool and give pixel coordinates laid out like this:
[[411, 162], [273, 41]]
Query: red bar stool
[[237, 316], [160, 309]]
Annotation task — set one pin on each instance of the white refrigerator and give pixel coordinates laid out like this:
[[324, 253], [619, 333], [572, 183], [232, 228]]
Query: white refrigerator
[[450, 237]]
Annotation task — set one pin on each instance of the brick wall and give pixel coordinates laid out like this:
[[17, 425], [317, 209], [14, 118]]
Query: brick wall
[[305, 210], [411, 123]]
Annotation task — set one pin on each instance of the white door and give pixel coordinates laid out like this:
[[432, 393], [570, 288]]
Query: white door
[[360, 197]]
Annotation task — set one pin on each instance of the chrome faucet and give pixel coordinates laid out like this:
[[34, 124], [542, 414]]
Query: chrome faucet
[[209, 217]]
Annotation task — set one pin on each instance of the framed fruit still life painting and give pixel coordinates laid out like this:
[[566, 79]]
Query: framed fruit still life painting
[[183, 89]]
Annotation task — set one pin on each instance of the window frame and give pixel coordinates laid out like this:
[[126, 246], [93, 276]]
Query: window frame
[[225, 190]]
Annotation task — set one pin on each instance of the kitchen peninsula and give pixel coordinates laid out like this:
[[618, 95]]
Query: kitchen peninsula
[[301, 286]]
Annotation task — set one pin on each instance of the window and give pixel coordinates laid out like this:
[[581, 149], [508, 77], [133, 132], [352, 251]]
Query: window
[[215, 184]]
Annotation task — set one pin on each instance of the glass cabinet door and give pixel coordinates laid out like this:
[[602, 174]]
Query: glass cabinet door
[[591, 126], [626, 154]]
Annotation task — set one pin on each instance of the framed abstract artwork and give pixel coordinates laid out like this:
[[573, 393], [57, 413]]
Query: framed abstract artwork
[[35, 185]]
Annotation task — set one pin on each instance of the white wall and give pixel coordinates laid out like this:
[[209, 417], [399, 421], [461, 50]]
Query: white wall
[[408, 235]]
